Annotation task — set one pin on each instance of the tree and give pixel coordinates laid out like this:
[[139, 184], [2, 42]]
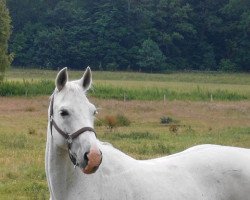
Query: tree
[[5, 28], [174, 31], [236, 33], [151, 59], [108, 34], [208, 44]]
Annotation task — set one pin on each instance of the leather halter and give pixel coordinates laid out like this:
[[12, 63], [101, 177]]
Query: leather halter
[[69, 137]]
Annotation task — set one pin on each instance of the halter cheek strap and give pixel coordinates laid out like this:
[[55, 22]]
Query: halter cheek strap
[[51, 112], [69, 137]]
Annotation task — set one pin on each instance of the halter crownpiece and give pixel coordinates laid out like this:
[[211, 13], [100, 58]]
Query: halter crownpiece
[[69, 137]]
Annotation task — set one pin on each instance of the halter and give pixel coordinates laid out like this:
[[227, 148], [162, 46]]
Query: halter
[[69, 137]]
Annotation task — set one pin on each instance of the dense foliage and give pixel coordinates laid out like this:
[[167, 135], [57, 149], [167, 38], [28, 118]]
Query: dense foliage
[[146, 35], [4, 37]]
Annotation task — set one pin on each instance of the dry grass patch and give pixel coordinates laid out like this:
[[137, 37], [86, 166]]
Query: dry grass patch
[[217, 115]]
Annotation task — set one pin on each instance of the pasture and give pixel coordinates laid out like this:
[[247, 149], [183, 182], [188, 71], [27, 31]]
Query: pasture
[[195, 119], [174, 86]]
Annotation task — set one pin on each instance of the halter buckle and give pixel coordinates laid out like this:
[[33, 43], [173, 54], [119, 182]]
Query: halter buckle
[[69, 140]]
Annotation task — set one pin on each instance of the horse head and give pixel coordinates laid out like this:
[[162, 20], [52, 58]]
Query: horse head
[[72, 120]]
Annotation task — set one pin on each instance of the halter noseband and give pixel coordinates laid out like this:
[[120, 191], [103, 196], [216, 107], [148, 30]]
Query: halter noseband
[[69, 137]]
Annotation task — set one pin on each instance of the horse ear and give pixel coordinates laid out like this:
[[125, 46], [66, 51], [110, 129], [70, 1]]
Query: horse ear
[[86, 79], [61, 79]]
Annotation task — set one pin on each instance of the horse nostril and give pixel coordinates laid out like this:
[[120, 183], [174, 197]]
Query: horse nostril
[[85, 157], [85, 160]]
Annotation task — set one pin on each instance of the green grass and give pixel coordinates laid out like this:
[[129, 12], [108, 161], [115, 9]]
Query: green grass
[[26, 88], [136, 86], [22, 172], [102, 91], [197, 94], [186, 77], [145, 145], [28, 181]]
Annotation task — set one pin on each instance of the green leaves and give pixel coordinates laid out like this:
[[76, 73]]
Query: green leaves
[[5, 29], [150, 57], [109, 35]]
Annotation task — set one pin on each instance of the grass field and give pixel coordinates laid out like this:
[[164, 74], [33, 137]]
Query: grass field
[[23, 122], [137, 86]]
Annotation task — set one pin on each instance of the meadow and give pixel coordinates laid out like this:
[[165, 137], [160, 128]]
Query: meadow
[[195, 118], [139, 86]]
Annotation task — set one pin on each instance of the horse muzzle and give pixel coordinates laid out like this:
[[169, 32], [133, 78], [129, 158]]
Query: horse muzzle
[[92, 161]]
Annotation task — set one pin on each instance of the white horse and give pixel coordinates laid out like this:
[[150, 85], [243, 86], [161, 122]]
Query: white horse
[[98, 171]]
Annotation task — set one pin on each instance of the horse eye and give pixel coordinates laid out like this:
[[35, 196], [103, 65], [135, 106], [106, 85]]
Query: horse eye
[[64, 113]]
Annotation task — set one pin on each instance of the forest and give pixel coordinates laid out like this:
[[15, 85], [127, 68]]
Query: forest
[[131, 35]]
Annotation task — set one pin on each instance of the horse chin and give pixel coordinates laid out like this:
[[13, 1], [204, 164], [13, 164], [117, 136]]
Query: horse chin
[[89, 170]]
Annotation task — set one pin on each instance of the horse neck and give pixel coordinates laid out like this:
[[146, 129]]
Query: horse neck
[[58, 168], [61, 174], [114, 161]]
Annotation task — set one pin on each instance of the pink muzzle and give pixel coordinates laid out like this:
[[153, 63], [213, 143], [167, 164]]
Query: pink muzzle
[[94, 160]]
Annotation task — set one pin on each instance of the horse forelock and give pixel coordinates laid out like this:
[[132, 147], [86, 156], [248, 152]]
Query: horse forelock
[[71, 87]]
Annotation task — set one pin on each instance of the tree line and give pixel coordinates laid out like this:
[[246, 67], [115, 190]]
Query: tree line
[[138, 35]]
